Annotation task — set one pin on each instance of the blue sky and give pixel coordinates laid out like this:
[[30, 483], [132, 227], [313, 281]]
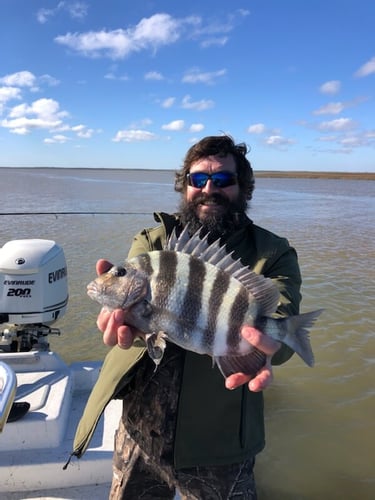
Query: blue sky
[[124, 84]]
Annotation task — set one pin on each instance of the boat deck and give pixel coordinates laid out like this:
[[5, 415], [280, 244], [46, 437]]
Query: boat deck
[[34, 449]]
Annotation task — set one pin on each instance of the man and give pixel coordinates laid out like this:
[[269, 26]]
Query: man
[[181, 427]]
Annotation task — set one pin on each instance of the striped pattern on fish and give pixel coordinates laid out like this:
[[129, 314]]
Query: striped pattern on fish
[[198, 297]]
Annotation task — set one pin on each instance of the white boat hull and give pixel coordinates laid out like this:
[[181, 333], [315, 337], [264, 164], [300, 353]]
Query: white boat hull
[[34, 449]]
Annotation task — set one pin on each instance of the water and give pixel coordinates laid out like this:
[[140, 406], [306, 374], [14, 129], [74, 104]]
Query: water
[[320, 430]]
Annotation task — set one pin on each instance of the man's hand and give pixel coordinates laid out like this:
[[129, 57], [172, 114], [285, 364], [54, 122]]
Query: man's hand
[[264, 377], [111, 323]]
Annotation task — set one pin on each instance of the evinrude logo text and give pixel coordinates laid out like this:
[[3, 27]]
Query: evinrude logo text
[[57, 275], [19, 282]]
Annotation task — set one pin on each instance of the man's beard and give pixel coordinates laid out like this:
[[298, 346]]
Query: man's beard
[[218, 225]]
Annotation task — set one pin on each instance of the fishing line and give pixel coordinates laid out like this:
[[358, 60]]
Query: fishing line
[[74, 213]]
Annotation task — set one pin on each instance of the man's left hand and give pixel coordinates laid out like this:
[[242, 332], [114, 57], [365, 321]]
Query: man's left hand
[[264, 377]]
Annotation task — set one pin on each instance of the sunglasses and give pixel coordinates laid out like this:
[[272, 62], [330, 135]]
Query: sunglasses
[[219, 179]]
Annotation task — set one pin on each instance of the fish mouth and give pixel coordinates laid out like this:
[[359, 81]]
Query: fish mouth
[[92, 290], [96, 292]]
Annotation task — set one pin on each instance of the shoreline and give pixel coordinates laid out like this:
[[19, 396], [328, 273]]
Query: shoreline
[[363, 176], [287, 174]]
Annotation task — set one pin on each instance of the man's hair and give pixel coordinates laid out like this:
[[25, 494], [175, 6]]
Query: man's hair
[[221, 145]]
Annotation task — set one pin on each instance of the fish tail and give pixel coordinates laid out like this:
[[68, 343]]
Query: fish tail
[[297, 336]]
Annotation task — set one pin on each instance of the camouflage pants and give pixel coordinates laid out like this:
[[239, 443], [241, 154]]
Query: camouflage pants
[[136, 477]]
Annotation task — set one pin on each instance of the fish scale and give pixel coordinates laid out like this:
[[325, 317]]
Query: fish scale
[[197, 296]]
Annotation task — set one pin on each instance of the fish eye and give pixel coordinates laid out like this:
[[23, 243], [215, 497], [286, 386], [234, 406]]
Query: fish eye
[[119, 271]]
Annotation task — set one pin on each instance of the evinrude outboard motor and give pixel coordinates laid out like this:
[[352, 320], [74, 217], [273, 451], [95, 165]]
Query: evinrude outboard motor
[[33, 293]]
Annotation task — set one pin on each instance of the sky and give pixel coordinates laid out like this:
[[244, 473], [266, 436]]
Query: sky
[[124, 84]]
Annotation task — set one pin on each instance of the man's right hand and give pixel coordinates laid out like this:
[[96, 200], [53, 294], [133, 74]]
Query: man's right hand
[[111, 323]]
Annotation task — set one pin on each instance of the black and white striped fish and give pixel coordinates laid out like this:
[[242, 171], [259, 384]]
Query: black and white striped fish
[[198, 297]]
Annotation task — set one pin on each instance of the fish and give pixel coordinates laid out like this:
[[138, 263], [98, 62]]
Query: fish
[[196, 295]]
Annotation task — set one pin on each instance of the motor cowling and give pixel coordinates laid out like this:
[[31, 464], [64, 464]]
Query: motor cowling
[[33, 282]]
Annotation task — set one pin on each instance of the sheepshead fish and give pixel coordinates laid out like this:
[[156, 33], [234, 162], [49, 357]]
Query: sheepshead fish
[[197, 296]]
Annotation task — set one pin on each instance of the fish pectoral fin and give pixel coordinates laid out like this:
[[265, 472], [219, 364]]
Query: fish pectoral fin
[[250, 364], [146, 310], [156, 345]]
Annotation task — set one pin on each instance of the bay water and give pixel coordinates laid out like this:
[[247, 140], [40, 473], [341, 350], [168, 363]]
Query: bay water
[[319, 421]]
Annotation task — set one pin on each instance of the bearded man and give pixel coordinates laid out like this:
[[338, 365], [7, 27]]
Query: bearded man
[[183, 428]]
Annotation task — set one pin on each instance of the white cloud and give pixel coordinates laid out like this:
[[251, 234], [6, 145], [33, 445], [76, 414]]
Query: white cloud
[[340, 124], [201, 105], [350, 141], [175, 125], [196, 127], [216, 31], [114, 44], [278, 141], [9, 93], [17, 111], [41, 114], [26, 79], [328, 138], [83, 132], [335, 108], [366, 69], [141, 124], [43, 15], [47, 108], [112, 76], [332, 108], [216, 41], [159, 29], [149, 34], [56, 139], [19, 79], [331, 87], [25, 125], [49, 80], [76, 10], [243, 12], [257, 128], [195, 76], [168, 103], [134, 136], [154, 75]]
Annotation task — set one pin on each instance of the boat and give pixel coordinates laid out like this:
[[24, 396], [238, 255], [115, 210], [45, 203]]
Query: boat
[[41, 397], [8, 385]]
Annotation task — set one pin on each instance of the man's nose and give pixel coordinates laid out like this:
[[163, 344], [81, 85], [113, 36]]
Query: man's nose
[[209, 187]]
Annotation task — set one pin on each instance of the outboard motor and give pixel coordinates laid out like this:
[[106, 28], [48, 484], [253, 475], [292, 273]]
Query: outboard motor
[[33, 293]]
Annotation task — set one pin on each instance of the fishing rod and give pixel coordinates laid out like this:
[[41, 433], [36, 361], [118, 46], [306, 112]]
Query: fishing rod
[[74, 213]]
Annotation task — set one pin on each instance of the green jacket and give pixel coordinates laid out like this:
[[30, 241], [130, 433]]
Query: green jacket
[[214, 425]]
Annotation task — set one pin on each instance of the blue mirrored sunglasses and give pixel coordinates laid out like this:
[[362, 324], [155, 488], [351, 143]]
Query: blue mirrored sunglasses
[[219, 179]]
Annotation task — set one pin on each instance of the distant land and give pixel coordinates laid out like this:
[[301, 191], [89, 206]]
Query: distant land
[[364, 176], [291, 174]]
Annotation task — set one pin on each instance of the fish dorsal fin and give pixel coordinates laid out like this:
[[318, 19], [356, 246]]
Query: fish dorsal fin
[[177, 243], [199, 247], [262, 289]]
